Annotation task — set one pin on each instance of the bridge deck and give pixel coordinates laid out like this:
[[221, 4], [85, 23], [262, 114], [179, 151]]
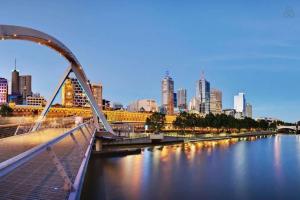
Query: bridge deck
[[39, 178]]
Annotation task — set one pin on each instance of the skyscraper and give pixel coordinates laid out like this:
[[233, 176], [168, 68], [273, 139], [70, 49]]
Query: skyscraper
[[25, 86], [182, 99], [240, 103], [97, 92], [3, 91], [15, 82], [167, 88], [203, 94], [249, 110], [215, 101]]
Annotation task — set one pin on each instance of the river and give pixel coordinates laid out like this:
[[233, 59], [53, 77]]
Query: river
[[256, 168]]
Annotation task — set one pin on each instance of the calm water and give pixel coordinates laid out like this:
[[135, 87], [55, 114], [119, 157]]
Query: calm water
[[266, 168]]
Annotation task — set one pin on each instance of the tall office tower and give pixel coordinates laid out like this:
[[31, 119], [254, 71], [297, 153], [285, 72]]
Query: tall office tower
[[203, 94], [3, 91], [215, 101], [182, 99], [67, 94], [97, 92], [25, 86], [15, 82], [167, 88], [249, 110], [240, 103]]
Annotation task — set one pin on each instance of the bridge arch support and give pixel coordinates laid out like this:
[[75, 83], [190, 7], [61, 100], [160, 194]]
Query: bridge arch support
[[10, 32]]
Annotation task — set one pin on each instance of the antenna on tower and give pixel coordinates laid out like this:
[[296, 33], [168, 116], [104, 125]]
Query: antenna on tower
[[15, 64], [202, 75], [167, 73]]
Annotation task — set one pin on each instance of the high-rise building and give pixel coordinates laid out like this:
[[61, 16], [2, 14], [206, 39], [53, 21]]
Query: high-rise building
[[203, 94], [97, 92], [175, 100], [215, 101], [147, 105], [3, 91], [240, 103], [73, 94], [249, 110], [182, 99], [167, 88], [15, 82], [25, 86]]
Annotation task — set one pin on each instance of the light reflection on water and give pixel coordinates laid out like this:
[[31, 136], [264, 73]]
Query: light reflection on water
[[247, 168]]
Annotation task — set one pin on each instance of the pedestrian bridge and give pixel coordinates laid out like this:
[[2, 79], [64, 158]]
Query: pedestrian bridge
[[49, 163], [45, 164]]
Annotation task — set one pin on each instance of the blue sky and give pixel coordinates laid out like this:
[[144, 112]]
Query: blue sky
[[249, 46]]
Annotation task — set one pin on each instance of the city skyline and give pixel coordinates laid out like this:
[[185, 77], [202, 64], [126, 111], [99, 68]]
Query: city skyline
[[256, 55]]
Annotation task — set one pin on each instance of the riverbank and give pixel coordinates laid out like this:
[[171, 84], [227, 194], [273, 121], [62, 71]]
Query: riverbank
[[133, 146]]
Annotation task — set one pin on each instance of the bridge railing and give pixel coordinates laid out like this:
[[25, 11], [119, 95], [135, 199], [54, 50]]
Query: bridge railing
[[64, 160]]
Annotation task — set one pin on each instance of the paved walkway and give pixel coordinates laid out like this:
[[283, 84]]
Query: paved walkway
[[38, 178]]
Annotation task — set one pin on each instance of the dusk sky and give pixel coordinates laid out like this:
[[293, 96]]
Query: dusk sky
[[242, 46]]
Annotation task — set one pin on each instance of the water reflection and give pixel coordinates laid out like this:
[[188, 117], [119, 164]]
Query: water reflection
[[245, 168]]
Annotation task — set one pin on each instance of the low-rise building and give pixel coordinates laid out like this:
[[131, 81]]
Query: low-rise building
[[3, 91], [143, 105], [36, 100]]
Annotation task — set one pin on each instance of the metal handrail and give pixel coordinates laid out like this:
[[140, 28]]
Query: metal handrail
[[14, 162]]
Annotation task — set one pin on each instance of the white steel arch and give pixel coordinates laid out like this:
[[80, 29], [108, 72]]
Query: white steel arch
[[23, 33]]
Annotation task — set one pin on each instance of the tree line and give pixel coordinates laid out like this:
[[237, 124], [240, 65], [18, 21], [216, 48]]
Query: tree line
[[190, 121]]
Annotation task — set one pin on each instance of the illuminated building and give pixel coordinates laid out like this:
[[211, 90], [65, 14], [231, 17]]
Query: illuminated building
[[215, 101], [167, 87], [97, 92], [3, 90], [143, 105], [73, 95], [182, 99], [67, 94], [36, 100]]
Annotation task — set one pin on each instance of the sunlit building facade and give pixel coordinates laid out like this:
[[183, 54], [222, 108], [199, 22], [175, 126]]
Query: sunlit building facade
[[36, 100], [25, 87], [182, 99], [73, 94], [215, 101], [143, 105], [249, 110], [240, 103], [97, 92], [167, 88]]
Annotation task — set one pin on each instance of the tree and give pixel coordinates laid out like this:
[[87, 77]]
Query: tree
[[156, 122], [5, 110], [182, 121]]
